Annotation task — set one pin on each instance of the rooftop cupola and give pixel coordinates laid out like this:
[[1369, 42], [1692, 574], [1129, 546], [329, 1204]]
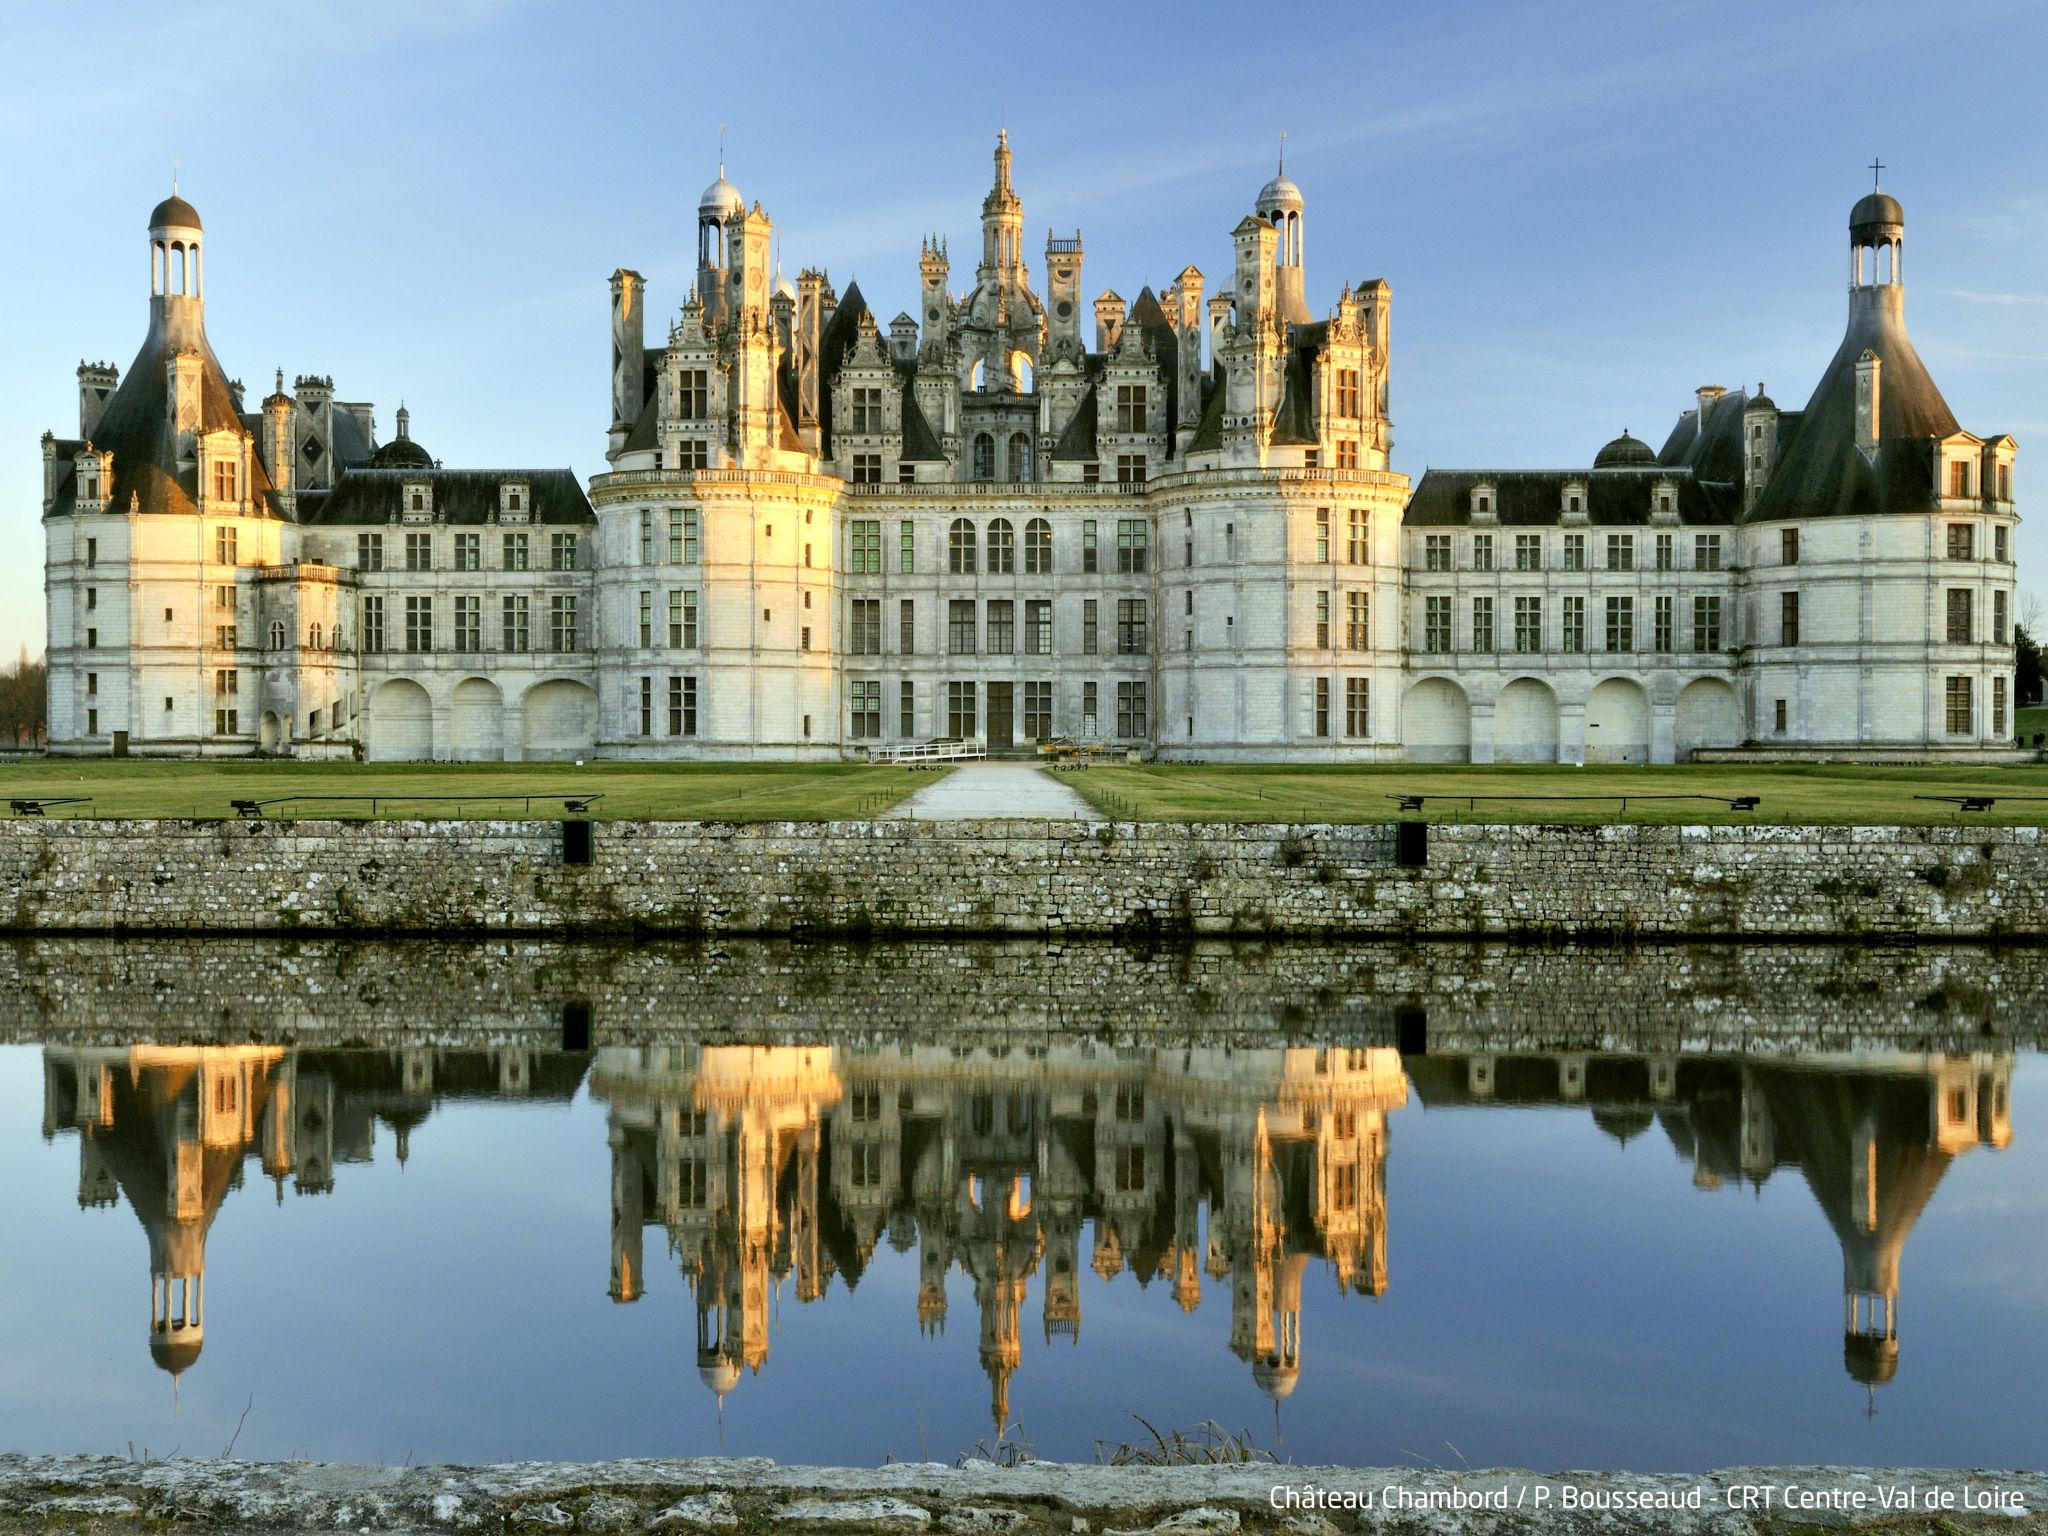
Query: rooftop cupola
[[1002, 219], [177, 272], [1281, 205], [1877, 239]]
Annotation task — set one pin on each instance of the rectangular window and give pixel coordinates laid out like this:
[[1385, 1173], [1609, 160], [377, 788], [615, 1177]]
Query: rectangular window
[[224, 546], [1089, 640], [1482, 624], [562, 622], [469, 551], [646, 620], [1323, 620], [1528, 624], [469, 624], [1130, 709], [1706, 624], [1961, 707], [1358, 621], [1130, 408], [2005, 482], [1091, 713], [867, 410], [419, 551], [1998, 706], [1958, 477], [1347, 391], [682, 706], [1002, 627], [223, 596], [1131, 535], [369, 551], [419, 623], [906, 627], [1572, 631], [1130, 626], [1130, 469], [1962, 541], [1961, 631], [906, 708], [1322, 706], [906, 547], [373, 624], [225, 723], [693, 394], [513, 552], [1788, 618], [1037, 711], [960, 715], [960, 627], [562, 551], [1575, 551], [646, 706], [1665, 552], [646, 554], [864, 708], [1357, 548], [226, 682], [1436, 623], [515, 631], [691, 453], [1706, 551], [1788, 546], [865, 638], [1621, 551], [2001, 551], [865, 548], [1322, 535], [1088, 554], [1528, 551], [1482, 551], [224, 482], [1621, 623], [1038, 627], [1436, 551], [1998, 618], [803, 638], [1664, 623], [224, 637], [867, 469], [1357, 708]]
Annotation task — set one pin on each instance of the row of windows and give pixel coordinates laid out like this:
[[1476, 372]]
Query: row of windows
[[1528, 551], [996, 632], [1528, 634], [516, 631], [514, 552], [969, 550], [678, 704], [1962, 542]]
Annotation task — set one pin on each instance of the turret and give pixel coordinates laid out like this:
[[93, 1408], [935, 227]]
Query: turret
[[629, 346], [1002, 221], [932, 268], [718, 213], [96, 385], [1280, 205], [279, 439], [177, 273], [1063, 297]]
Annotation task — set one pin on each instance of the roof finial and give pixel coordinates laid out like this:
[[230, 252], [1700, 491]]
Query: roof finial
[[174, 175], [721, 151], [1876, 171], [1283, 152]]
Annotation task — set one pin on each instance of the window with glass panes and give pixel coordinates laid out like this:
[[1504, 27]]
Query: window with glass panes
[[682, 618], [1436, 551], [1037, 711], [1706, 551], [960, 715], [682, 706], [1998, 618], [1130, 709], [1357, 547], [1322, 535], [1706, 623], [1002, 548], [906, 708], [512, 554], [1528, 624], [1089, 640], [419, 623], [1621, 623], [1575, 551], [1664, 622], [864, 637], [1038, 627], [867, 409], [1665, 555], [1482, 624], [562, 622], [1038, 547], [419, 551], [1998, 706], [1788, 618], [1322, 706], [1358, 621], [864, 708], [1322, 619], [1482, 551], [1572, 633], [646, 706], [515, 627], [1130, 626], [1089, 557], [1436, 623], [1621, 551], [1130, 469], [960, 627], [646, 620], [469, 623], [562, 551], [906, 627], [864, 547], [369, 551], [1131, 538], [373, 624], [1357, 707], [1960, 627], [960, 547], [1961, 706], [1002, 626]]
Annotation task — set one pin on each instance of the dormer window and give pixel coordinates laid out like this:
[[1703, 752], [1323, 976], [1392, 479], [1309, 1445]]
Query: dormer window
[[514, 504], [224, 479], [1485, 502], [419, 501], [512, 501], [1571, 504]]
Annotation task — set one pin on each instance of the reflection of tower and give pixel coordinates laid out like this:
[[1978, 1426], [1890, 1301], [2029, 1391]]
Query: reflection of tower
[[629, 1215], [1002, 1249]]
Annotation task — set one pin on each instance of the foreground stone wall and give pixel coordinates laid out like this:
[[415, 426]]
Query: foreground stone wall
[[47, 1493], [1022, 877], [1486, 996]]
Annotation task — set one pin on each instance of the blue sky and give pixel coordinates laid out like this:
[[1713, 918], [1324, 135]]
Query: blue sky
[[1585, 209]]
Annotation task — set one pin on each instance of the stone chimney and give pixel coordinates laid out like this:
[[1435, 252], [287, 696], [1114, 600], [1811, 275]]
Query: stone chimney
[[1706, 394], [280, 441], [96, 384], [1109, 319], [184, 375]]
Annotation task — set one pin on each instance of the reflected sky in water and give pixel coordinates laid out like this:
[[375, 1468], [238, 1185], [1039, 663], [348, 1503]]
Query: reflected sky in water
[[847, 1254]]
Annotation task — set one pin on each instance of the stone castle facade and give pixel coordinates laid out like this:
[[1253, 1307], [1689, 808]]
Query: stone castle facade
[[817, 535]]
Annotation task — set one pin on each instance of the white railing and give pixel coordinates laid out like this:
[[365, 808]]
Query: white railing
[[925, 753]]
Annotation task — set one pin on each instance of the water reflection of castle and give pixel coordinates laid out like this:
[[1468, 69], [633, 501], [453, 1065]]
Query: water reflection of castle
[[760, 1163]]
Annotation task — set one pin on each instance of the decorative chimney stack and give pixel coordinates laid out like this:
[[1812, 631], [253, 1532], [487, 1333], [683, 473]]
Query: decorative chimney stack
[[96, 385]]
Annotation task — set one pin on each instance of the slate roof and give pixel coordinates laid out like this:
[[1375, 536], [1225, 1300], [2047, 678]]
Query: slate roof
[[834, 342], [1076, 441], [1820, 472], [1209, 429], [463, 496], [1533, 498], [1715, 455]]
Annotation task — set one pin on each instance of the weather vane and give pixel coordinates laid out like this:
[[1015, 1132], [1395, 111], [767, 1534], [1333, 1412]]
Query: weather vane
[[1876, 170]]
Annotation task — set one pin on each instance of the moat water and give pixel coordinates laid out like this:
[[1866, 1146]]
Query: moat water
[[434, 1204]]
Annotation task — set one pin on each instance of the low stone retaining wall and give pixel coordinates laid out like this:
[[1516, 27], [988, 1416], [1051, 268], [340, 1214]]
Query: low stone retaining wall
[[978, 1499], [1022, 878]]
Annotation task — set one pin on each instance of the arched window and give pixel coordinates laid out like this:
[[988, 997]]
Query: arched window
[[1038, 547], [1002, 548], [1020, 456], [984, 456], [977, 377], [277, 634], [960, 548], [1020, 372], [313, 639]]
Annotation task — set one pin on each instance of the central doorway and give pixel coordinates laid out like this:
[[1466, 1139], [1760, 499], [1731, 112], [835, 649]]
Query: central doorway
[[1002, 712]]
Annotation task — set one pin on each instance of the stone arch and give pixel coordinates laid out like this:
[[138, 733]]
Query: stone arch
[[268, 732], [1436, 722], [476, 725], [1617, 722], [1525, 722], [558, 718], [398, 723], [1709, 715]]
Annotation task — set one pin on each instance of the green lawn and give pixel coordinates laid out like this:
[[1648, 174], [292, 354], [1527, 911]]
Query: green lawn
[[1211, 792], [2029, 719], [717, 792]]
